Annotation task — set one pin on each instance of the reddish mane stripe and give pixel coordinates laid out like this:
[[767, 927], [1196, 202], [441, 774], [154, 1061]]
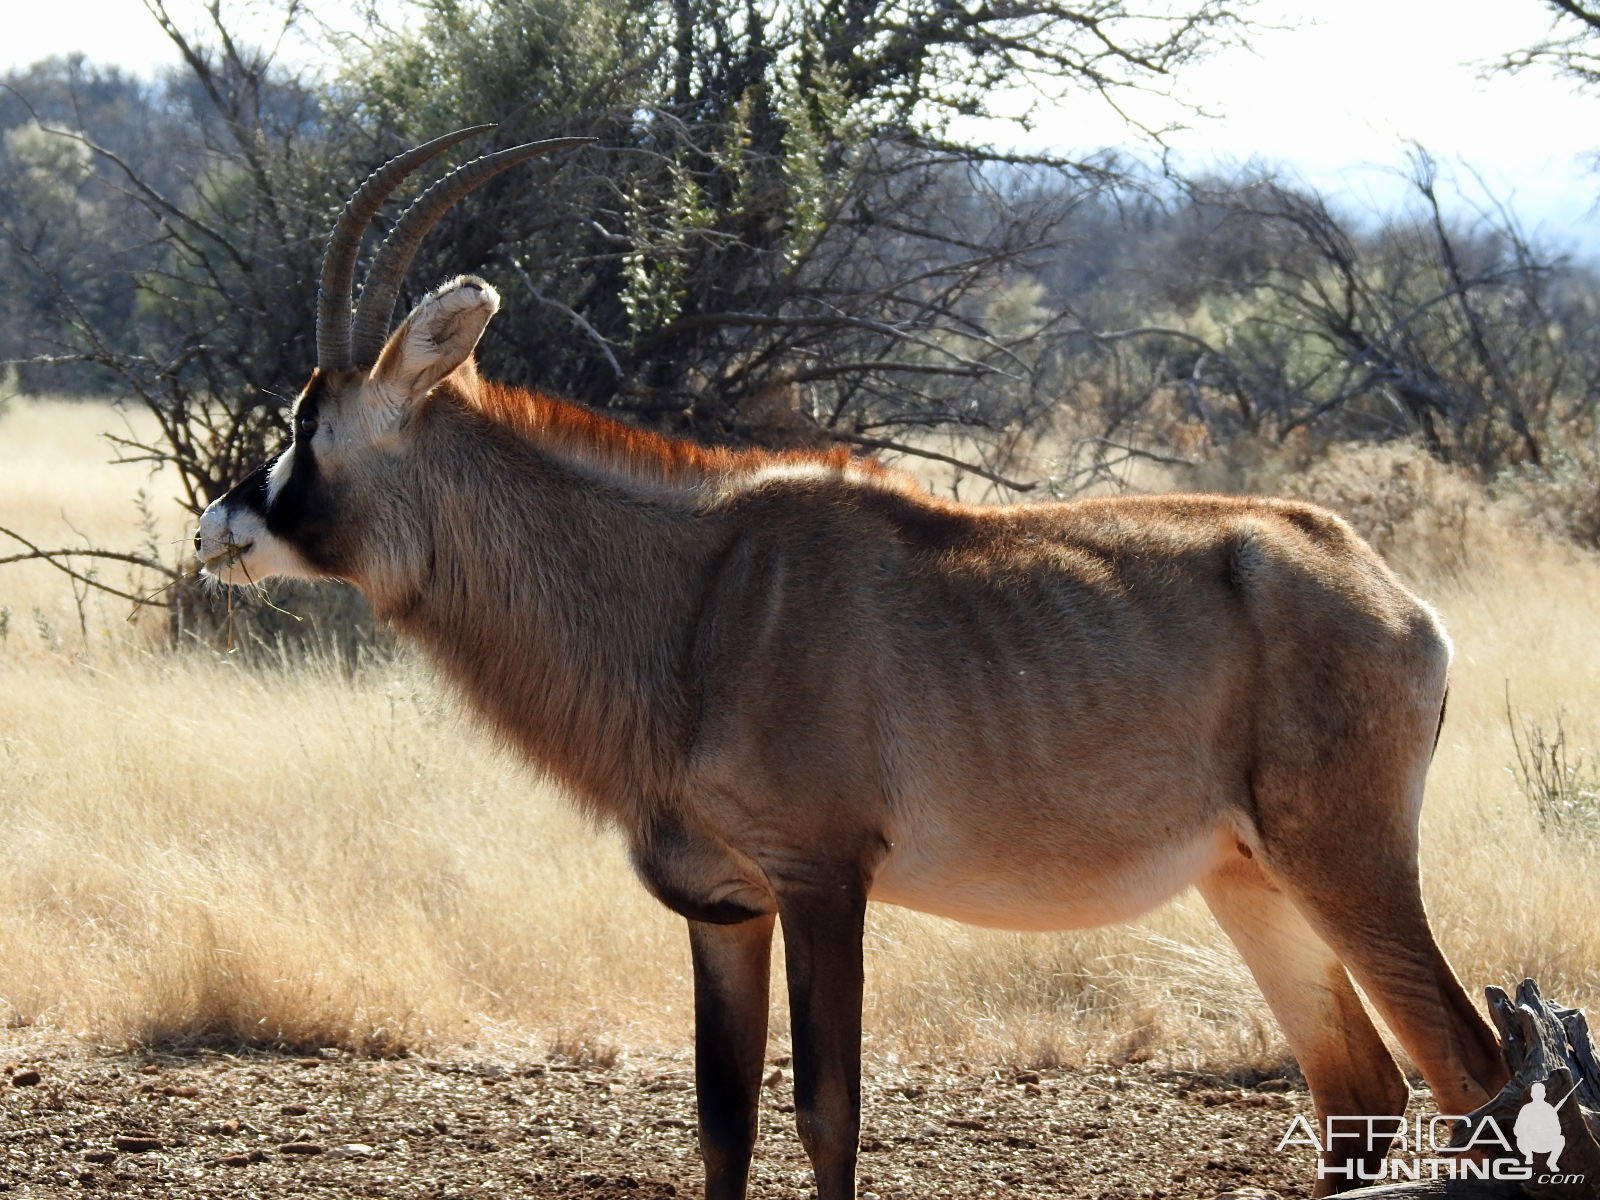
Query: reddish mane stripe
[[567, 428]]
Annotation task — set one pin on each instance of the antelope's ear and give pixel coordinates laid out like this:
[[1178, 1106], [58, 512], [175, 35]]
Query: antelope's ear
[[434, 340]]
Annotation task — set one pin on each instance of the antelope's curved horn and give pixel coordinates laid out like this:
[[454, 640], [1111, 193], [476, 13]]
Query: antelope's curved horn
[[388, 272], [336, 289]]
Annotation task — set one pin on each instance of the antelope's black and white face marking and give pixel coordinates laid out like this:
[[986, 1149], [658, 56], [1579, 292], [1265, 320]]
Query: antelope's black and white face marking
[[307, 512], [282, 519]]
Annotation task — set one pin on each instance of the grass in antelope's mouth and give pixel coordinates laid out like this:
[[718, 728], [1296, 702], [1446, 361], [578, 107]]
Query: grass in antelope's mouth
[[227, 556]]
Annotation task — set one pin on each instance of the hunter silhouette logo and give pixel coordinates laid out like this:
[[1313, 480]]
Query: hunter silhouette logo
[[1538, 1127]]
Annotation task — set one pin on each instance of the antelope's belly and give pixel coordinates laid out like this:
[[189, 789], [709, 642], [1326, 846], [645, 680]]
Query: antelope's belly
[[1041, 884]]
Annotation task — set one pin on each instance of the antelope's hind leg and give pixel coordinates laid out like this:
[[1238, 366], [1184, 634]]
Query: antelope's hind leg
[[1371, 913], [1348, 1068], [732, 965], [1344, 846]]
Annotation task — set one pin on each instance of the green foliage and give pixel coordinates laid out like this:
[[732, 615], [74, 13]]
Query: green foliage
[[821, 132], [662, 230], [46, 630], [768, 175], [524, 63], [47, 170], [776, 231]]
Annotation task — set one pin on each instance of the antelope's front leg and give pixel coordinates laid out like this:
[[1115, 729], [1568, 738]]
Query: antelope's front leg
[[731, 981], [822, 928]]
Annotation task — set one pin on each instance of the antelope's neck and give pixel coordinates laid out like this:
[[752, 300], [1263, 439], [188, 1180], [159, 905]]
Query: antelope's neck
[[564, 607]]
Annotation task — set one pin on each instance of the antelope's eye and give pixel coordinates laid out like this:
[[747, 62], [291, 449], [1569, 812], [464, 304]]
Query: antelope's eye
[[305, 428]]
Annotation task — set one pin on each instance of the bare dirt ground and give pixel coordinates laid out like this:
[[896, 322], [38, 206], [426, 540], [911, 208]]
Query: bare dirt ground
[[239, 1126]]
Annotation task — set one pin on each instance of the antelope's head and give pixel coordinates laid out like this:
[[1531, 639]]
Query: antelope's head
[[321, 507]]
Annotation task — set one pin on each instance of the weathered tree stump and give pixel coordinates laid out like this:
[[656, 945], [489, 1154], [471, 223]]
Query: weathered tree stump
[[1542, 1044]]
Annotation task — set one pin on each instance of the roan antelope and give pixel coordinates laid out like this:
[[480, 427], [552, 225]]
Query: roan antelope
[[798, 682]]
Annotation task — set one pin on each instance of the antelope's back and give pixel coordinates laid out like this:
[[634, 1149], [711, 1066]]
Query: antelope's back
[[1127, 653]]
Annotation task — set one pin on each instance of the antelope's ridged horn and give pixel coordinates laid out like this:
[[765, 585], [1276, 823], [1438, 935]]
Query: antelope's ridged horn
[[336, 289], [394, 256]]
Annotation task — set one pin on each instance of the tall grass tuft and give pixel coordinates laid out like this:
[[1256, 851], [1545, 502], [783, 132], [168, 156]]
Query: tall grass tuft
[[1561, 782]]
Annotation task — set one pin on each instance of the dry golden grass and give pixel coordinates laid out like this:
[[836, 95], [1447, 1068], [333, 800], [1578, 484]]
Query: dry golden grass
[[199, 849]]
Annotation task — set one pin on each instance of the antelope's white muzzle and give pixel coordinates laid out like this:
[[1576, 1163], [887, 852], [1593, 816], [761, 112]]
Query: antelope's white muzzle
[[235, 546]]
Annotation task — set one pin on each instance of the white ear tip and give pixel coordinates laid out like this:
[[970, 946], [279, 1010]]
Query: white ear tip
[[473, 283], [462, 292]]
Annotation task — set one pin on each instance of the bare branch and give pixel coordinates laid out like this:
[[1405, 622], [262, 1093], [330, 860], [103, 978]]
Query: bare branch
[[872, 443], [36, 553]]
